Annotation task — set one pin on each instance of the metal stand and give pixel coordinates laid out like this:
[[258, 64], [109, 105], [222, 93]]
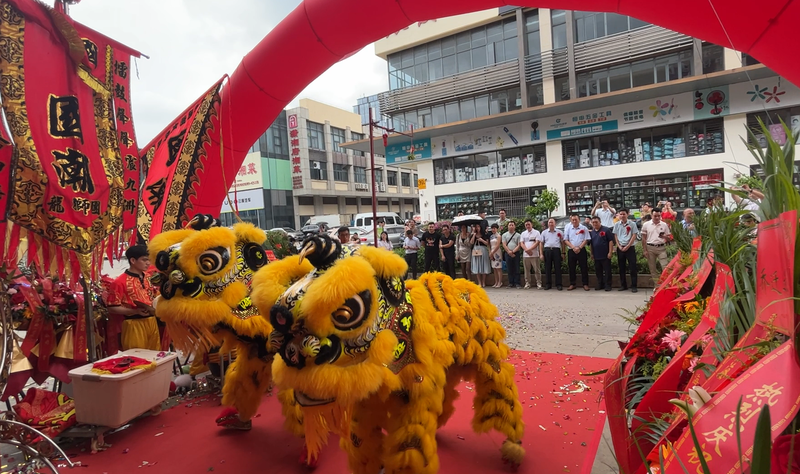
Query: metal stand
[[88, 310]]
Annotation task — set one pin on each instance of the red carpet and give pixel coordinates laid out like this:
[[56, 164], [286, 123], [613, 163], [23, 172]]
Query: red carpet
[[562, 432]]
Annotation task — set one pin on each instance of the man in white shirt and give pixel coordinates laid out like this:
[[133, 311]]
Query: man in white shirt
[[531, 254], [605, 212], [553, 242], [626, 233], [411, 245], [576, 236], [655, 237], [751, 203]]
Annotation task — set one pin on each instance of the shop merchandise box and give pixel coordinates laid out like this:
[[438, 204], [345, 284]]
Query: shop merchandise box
[[113, 400]]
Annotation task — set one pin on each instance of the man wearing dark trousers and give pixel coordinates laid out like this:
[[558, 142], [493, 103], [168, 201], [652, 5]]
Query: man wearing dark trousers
[[553, 243], [576, 236], [625, 235], [430, 240], [447, 248], [602, 249], [511, 244]]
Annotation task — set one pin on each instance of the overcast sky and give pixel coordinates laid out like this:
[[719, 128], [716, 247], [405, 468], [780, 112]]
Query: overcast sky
[[192, 43]]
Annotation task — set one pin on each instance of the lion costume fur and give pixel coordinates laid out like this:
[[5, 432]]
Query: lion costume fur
[[205, 274], [377, 360]]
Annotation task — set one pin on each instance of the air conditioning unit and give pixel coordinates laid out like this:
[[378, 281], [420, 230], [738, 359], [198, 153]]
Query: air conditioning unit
[[382, 187]]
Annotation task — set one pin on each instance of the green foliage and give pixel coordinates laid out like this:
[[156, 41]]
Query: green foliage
[[754, 182], [278, 242], [682, 237], [762, 444], [547, 202]]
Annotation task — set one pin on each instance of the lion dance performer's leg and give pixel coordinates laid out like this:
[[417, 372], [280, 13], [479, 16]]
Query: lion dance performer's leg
[[365, 445], [246, 380], [481, 356]]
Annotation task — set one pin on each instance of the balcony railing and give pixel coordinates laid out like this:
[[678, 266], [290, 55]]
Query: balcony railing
[[465, 84], [546, 64], [628, 46]]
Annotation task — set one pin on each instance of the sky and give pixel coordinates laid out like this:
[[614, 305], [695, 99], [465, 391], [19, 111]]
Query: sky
[[192, 43]]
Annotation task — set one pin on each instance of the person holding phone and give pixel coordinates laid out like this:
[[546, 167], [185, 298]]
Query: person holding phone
[[667, 213]]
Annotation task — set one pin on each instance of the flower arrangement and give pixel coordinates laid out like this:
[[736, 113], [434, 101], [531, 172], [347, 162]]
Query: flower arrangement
[[658, 346], [57, 298]]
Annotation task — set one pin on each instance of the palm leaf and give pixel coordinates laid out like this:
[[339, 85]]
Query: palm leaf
[[762, 445]]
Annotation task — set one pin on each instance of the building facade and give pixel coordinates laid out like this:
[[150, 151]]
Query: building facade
[[297, 169], [508, 102]]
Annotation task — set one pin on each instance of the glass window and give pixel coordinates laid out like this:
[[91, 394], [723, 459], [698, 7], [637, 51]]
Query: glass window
[[391, 178], [421, 54], [414, 182], [509, 163], [643, 73], [435, 70], [534, 43], [434, 50], [558, 20], [511, 48], [535, 94], [407, 58], [319, 170], [619, 78], [464, 61], [713, 58], [448, 46], [449, 66], [421, 73], [464, 168], [479, 57], [467, 108], [616, 23], [356, 137], [337, 136], [360, 174], [562, 88], [451, 109], [478, 37], [438, 114], [482, 106], [378, 175], [405, 179], [486, 165], [510, 28], [636, 23], [463, 42], [340, 173], [494, 33], [316, 135]]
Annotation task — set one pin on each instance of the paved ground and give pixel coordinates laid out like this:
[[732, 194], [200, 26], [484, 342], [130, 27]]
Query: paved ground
[[569, 322]]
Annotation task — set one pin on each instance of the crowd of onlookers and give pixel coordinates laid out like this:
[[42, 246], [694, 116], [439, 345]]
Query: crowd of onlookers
[[501, 248]]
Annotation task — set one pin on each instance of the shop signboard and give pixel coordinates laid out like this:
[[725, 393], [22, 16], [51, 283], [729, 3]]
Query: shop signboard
[[712, 102], [399, 151], [655, 112], [249, 175], [244, 200], [582, 130], [294, 153], [763, 94]]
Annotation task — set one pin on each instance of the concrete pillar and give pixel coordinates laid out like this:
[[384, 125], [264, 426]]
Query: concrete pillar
[[522, 47], [697, 57], [546, 40], [573, 81]]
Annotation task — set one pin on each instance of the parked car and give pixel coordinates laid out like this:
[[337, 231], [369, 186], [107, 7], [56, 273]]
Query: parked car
[[353, 230], [314, 228], [396, 236], [493, 219]]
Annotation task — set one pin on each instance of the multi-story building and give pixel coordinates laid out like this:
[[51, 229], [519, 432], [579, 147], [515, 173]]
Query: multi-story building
[[298, 169], [506, 102]]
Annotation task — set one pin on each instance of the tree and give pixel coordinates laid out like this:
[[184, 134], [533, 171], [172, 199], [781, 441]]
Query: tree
[[547, 202]]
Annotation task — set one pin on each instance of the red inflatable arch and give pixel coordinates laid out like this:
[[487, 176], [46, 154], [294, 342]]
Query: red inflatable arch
[[319, 33]]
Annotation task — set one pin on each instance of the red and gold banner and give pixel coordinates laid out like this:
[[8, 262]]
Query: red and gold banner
[[58, 86], [174, 161], [775, 273], [715, 423]]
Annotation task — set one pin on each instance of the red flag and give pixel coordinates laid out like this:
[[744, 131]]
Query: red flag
[[68, 176], [174, 161]]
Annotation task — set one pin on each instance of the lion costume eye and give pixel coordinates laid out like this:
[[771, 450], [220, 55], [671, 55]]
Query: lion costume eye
[[353, 312], [213, 260]]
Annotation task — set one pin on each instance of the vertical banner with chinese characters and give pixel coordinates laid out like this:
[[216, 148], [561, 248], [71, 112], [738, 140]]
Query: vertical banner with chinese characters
[[775, 273], [67, 187], [715, 423], [174, 161], [109, 63], [294, 147]]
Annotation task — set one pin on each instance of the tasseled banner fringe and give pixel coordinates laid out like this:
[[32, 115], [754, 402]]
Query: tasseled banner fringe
[[49, 259]]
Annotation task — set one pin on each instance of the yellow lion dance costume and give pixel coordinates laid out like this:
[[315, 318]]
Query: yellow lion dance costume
[[205, 274], [365, 353]]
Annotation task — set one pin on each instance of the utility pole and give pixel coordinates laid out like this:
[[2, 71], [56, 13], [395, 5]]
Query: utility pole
[[372, 126]]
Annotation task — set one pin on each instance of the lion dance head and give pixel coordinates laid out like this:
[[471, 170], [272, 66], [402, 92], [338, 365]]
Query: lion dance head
[[204, 274], [342, 321]]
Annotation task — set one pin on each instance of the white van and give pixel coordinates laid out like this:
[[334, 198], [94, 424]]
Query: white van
[[365, 219], [331, 220]]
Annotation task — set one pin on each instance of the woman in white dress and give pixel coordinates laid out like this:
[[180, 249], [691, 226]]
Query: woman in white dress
[[480, 254], [464, 252]]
